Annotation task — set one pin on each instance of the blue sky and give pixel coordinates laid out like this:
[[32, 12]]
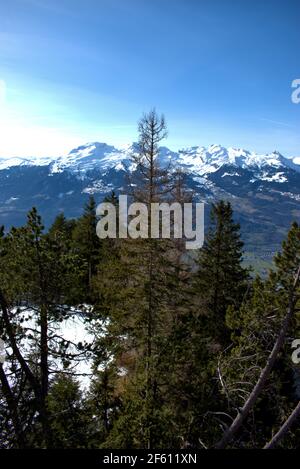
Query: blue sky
[[73, 71]]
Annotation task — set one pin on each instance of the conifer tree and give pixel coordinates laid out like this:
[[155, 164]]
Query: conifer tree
[[34, 282], [221, 279], [68, 415], [87, 244], [258, 376], [135, 290]]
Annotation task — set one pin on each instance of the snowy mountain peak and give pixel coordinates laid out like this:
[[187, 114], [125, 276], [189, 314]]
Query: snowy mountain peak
[[84, 158], [131, 147], [195, 159], [97, 148], [6, 163], [206, 160]]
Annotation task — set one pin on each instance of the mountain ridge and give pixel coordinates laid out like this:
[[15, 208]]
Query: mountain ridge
[[264, 189], [196, 158]]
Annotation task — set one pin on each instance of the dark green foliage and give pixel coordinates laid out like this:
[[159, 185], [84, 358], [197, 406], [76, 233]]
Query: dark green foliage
[[255, 327], [87, 246], [69, 418], [176, 345], [221, 280], [211, 330]]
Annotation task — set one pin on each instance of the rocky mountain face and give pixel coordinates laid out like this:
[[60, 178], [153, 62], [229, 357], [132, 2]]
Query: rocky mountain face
[[263, 189]]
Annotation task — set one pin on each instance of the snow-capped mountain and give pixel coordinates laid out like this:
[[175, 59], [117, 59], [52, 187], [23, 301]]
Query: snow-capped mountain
[[6, 163], [88, 158], [200, 160], [196, 159], [208, 160], [264, 189]]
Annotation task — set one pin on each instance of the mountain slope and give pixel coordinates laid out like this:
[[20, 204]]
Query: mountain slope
[[263, 189]]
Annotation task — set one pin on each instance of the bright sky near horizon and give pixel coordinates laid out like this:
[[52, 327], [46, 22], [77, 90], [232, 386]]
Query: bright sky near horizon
[[73, 71]]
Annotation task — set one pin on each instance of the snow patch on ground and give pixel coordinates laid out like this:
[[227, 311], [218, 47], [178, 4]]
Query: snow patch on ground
[[73, 328], [278, 177]]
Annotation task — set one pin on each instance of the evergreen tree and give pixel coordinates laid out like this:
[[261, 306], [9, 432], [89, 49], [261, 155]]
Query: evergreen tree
[[258, 375], [221, 279], [69, 419], [34, 283], [135, 290], [87, 245]]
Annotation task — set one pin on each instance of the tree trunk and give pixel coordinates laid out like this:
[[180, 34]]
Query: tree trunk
[[44, 366], [9, 329], [249, 404], [285, 428], [13, 409], [40, 390]]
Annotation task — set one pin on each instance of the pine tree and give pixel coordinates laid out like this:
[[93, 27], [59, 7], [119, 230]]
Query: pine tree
[[135, 290], [87, 245], [221, 279], [68, 416], [35, 279], [258, 375]]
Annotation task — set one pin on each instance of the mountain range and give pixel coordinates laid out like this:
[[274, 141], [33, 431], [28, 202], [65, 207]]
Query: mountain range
[[264, 189]]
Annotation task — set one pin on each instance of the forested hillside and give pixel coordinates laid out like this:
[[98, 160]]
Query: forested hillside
[[182, 354]]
